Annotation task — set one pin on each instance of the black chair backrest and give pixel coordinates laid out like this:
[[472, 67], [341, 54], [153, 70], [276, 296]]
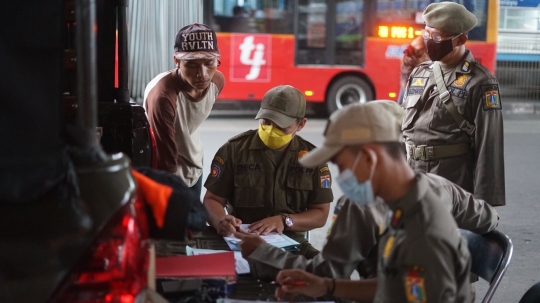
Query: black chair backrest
[[532, 295], [490, 256], [487, 252]]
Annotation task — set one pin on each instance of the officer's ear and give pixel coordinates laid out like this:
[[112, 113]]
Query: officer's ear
[[301, 123], [462, 39], [370, 155], [176, 61]]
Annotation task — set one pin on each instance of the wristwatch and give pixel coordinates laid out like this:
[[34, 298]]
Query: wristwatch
[[287, 221]]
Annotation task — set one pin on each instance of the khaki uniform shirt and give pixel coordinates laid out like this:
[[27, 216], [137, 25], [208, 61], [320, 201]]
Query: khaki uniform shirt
[[245, 173], [422, 256], [355, 232], [475, 93]]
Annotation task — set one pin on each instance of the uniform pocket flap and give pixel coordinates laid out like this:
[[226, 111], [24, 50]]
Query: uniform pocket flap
[[249, 180], [411, 101], [300, 182]]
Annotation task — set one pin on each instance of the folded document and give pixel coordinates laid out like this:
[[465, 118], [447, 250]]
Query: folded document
[[273, 238]]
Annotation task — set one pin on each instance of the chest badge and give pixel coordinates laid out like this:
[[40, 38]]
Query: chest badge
[[461, 80], [302, 154], [396, 218], [465, 66]]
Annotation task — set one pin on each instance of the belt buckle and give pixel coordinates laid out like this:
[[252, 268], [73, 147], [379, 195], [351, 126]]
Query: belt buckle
[[426, 152], [422, 152], [410, 151]]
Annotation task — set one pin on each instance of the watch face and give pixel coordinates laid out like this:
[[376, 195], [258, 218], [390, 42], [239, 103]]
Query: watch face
[[289, 221]]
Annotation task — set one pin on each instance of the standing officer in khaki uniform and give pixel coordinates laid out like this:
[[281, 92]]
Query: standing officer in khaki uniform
[[258, 174], [454, 125], [422, 256]]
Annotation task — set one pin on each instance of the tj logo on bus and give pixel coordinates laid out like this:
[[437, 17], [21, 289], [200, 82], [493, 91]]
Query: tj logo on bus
[[249, 58]]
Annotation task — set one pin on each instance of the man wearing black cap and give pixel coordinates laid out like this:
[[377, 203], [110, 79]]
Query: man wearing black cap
[[178, 101], [257, 173], [454, 126]]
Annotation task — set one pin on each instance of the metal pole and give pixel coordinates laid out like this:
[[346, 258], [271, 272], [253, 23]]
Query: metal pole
[[123, 64], [85, 14]]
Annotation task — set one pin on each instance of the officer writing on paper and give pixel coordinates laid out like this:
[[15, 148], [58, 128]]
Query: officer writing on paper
[[355, 231], [454, 125], [421, 254], [258, 175]]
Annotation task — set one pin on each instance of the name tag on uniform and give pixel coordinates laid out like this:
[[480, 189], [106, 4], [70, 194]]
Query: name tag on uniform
[[417, 85]]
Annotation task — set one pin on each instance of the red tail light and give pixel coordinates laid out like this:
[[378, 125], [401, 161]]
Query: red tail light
[[154, 149], [116, 268]]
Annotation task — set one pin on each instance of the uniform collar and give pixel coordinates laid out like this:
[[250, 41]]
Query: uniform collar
[[404, 206], [463, 67], [256, 142]]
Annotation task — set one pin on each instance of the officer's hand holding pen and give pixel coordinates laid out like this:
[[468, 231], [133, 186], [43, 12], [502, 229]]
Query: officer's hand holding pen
[[227, 225], [297, 281]]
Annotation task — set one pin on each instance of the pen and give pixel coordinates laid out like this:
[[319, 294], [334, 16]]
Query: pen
[[295, 283]]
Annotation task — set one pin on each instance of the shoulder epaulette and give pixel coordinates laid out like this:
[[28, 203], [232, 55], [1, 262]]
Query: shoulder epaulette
[[423, 65], [241, 135], [485, 70], [309, 144]]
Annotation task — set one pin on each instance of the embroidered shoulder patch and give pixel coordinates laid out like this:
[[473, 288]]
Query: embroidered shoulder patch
[[414, 286], [325, 181], [220, 160], [323, 169], [215, 171], [419, 81], [491, 97], [417, 85]]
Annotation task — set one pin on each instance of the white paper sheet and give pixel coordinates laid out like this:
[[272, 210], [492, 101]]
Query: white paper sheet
[[272, 237]]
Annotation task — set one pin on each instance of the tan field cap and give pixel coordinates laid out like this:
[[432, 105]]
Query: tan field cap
[[372, 122], [449, 17], [282, 105]]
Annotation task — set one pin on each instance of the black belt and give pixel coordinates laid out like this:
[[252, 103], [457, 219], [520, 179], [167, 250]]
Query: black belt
[[426, 153]]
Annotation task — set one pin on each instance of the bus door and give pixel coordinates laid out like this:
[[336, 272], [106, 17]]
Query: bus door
[[329, 32]]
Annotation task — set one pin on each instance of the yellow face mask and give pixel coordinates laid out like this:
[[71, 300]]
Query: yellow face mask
[[273, 137]]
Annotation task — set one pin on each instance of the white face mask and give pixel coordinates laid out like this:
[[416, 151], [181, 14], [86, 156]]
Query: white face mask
[[359, 193]]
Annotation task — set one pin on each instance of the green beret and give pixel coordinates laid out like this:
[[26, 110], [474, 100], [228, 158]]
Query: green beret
[[449, 17]]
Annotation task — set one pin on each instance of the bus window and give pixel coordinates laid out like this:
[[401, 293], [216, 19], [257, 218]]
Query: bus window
[[311, 32], [349, 32], [253, 16], [403, 18]]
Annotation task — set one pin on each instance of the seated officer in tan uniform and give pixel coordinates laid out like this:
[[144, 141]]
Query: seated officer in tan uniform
[[257, 173], [352, 239], [422, 256]]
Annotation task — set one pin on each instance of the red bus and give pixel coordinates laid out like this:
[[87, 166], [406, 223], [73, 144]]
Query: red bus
[[337, 52]]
